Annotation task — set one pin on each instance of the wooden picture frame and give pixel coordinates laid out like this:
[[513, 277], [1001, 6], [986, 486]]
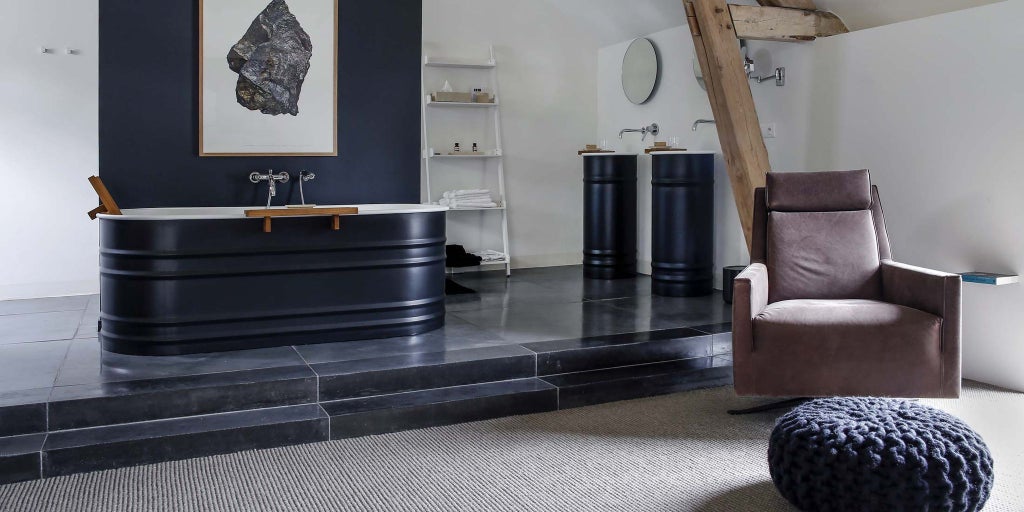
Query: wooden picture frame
[[206, 149]]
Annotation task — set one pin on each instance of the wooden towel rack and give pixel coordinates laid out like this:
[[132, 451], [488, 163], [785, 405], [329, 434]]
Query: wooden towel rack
[[334, 213], [107, 201]]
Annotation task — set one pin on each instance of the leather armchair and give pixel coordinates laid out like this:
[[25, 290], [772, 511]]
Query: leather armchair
[[823, 310]]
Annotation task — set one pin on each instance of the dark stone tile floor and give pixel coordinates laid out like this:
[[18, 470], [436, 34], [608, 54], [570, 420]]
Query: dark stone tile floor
[[542, 339], [53, 341]]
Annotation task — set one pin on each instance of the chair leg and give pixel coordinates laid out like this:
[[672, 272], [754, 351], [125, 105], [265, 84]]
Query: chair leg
[[782, 404]]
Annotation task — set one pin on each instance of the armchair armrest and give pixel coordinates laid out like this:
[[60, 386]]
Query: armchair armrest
[[930, 291], [750, 289], [749, 298], [933, 292]]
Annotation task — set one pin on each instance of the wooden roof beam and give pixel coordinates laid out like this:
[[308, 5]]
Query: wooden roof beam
[[782, 24], [728, 88], [807, 5]]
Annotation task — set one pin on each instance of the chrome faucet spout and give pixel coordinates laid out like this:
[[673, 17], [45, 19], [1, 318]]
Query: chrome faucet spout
[[699, 122], [652, 129]]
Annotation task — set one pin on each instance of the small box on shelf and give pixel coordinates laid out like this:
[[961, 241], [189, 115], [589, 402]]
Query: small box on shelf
[[989, 278]]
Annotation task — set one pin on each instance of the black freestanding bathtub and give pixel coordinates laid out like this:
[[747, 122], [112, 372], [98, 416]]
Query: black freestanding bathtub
[[187, 280]]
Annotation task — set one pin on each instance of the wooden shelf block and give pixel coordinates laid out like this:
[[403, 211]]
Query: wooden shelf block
[[335, 213]]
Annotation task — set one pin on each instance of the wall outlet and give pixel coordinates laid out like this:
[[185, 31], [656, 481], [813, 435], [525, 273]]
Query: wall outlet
[[768, 131]]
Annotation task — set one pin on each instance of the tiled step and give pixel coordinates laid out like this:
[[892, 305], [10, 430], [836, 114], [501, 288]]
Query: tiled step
[[92, 405], [625, 383], [415, 372], [23, 412], [19, 458], [91, 449], [599, 352], [721, 337], [434, 407]]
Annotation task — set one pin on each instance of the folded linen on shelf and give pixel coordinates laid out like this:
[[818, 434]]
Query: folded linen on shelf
[[458, 203], [489, 255], [466, 194], [469, 198]]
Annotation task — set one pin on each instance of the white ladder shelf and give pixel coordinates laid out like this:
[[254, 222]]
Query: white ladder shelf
[[441, 157]]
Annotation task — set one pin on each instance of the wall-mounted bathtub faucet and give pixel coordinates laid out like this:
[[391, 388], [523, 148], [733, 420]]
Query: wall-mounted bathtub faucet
[[652, 129], [304, 176], [700, 122], [271, 179]]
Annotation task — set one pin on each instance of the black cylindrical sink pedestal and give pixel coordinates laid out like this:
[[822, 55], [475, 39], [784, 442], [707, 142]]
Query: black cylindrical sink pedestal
[[609, 216], [682, 238]]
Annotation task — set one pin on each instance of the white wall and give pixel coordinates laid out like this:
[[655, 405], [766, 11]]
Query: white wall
[[933, 107], [48, 147], [546, 69]]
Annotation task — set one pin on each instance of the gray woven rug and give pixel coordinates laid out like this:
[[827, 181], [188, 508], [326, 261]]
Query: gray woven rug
[[673, 453]]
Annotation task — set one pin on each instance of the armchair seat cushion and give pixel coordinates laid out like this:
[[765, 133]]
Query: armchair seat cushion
[[817, 347]]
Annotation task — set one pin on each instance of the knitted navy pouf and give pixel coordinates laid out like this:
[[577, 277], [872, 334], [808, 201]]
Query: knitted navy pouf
[[866, 454]]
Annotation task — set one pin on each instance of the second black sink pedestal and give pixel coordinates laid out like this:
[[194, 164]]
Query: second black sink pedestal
[[682, 223]]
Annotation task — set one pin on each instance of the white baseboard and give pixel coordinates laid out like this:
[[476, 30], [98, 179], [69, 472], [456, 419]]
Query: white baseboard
[[644, 267], [547, 260], [54, 289]]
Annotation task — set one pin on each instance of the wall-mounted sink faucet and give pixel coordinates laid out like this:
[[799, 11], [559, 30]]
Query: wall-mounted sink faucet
[[699, 122], [271, 179], [652, 129], [304, 176]]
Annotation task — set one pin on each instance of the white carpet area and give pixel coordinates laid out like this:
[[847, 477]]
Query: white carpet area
[[673, 453]]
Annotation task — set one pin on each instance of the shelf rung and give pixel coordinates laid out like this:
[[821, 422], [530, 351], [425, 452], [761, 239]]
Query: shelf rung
[[441, 63]]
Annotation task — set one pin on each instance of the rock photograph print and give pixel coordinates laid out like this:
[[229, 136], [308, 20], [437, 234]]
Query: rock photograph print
[[271, 60], [268, 77]]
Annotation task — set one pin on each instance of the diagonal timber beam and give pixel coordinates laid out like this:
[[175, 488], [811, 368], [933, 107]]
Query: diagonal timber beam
[[780, 24], [807, 5], [746, 157]]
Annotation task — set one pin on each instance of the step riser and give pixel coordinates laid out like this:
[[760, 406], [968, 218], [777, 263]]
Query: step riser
[[22, 419], [400, 380], [447, 413], [19, 468], [69, 461], [721, 343], [641, 387], [585, 359], [93, 412]]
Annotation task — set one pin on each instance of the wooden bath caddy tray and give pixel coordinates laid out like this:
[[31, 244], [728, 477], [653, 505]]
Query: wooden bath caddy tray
[[334, 213]]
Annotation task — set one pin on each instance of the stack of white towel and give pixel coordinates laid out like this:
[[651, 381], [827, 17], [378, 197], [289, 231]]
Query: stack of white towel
[[488, 255], [475, 198]]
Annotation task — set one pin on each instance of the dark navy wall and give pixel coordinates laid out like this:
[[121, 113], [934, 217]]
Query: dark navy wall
[[149, 121]]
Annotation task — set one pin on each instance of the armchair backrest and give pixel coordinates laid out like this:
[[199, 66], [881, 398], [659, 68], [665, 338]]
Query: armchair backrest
[[821, 235]]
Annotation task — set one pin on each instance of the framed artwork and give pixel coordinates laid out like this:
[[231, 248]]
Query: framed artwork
[[268, 73]]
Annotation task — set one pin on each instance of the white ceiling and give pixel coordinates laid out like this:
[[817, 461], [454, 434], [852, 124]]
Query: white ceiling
[[614, 21]]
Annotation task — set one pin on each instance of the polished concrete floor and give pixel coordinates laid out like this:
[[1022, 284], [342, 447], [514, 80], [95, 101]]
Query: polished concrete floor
[[52, 342]]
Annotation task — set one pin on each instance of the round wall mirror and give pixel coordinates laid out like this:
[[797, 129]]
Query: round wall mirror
[[640, 71]]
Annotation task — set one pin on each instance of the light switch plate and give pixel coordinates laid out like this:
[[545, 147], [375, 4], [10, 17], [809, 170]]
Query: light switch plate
[[769, 131]]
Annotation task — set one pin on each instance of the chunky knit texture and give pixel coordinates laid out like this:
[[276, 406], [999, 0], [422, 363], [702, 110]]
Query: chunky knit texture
[[872, 454]]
